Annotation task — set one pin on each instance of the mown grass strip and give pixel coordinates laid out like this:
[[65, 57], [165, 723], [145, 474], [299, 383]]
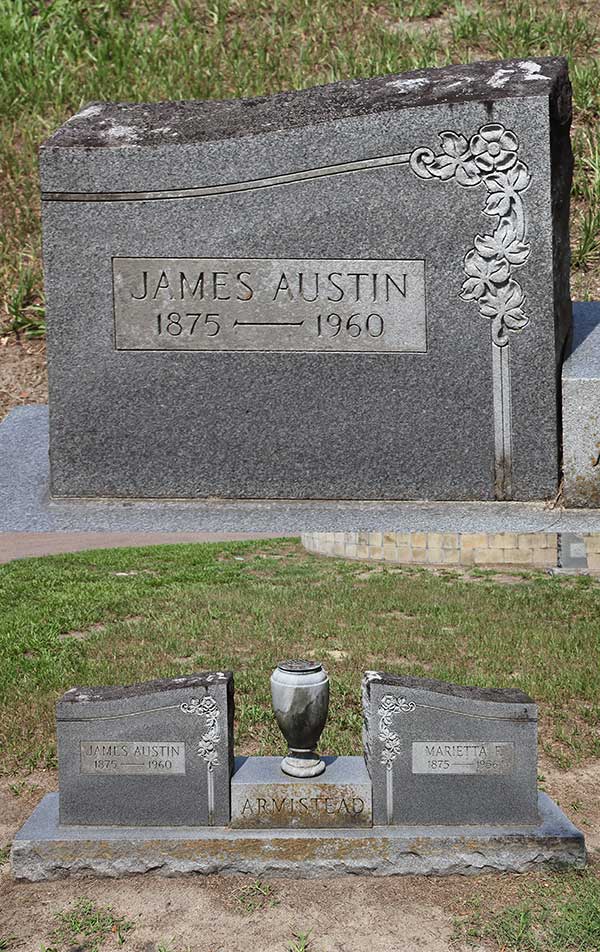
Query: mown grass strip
[[117, 616]]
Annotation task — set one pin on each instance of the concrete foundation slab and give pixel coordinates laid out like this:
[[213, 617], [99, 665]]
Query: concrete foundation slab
[[44, 850]]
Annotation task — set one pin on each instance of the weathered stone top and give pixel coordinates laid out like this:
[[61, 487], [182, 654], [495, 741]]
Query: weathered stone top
[[493, 695], [118, 692], [121, 125]]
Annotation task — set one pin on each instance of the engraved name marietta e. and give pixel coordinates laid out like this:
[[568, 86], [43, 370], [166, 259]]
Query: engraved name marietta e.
[[465, 757]]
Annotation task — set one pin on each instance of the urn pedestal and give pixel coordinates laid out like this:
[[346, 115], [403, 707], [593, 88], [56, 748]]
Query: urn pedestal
[[300, 695]]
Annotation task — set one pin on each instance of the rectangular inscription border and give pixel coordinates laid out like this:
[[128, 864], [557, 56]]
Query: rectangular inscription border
[[132, 758], [410, 338], [444, 758]]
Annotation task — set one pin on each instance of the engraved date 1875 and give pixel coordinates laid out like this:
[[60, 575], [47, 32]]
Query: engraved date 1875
[[176, 323]]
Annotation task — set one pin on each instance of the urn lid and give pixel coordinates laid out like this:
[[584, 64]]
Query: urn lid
[[300, 667]]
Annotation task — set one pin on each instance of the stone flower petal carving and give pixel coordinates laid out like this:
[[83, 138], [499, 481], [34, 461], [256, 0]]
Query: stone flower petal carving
[[490, 157], [494, 148], [388, 706], [208, 708]]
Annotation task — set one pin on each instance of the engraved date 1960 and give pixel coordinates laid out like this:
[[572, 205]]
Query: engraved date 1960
[[176, 323], [149, 765]]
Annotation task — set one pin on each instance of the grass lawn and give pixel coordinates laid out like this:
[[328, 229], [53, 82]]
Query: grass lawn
[[56, 55], [122, 615]]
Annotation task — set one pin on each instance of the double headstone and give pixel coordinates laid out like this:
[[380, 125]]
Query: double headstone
[[161, 754], [356, 291], [148, 782]]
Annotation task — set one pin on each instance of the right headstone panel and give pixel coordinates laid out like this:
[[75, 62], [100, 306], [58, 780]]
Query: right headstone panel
[[442, 753]]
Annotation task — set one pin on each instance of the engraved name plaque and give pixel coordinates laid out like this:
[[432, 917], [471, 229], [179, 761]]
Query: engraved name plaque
[[135, 758], [270, 304], [467, 757], [317, 807]]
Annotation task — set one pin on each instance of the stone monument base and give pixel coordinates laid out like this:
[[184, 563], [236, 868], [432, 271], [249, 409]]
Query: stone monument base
[[44, 850], [262, 796]]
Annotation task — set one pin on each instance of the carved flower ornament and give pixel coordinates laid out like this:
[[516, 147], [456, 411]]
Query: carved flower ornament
[[388, 706], [207, 745], [489, 157], [494, 148]]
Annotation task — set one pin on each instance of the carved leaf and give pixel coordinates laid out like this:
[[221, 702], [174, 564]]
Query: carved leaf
[[468, 174], [502, 244], [488, 307], [518, 177], [487, 246], [511, 295], [488, 270], [498, 203], [443, 167], [516, 319], [472, 289], [505, 307], [453, 143]]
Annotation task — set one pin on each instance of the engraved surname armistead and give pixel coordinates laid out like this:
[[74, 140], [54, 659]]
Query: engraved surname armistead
[[269, 304], [132, 757], [466, 757], [302, 806]]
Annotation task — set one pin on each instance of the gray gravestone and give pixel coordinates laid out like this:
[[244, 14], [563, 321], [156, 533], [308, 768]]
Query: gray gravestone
[[581, 410], [354, 291], [445, 754], [263, 796], [159, 753]]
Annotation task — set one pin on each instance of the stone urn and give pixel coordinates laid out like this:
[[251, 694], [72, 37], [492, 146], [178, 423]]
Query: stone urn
[[300, 693]]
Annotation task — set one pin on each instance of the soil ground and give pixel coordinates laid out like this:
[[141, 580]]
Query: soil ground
[[210, 915], [22, 545], [23, 376]]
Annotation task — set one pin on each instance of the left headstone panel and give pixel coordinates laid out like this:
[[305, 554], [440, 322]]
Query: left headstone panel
[[158, 753]]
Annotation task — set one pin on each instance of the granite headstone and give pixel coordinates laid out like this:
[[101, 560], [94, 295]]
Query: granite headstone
[[153, 754], [356, 291], [581, 410], [442, 754]]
